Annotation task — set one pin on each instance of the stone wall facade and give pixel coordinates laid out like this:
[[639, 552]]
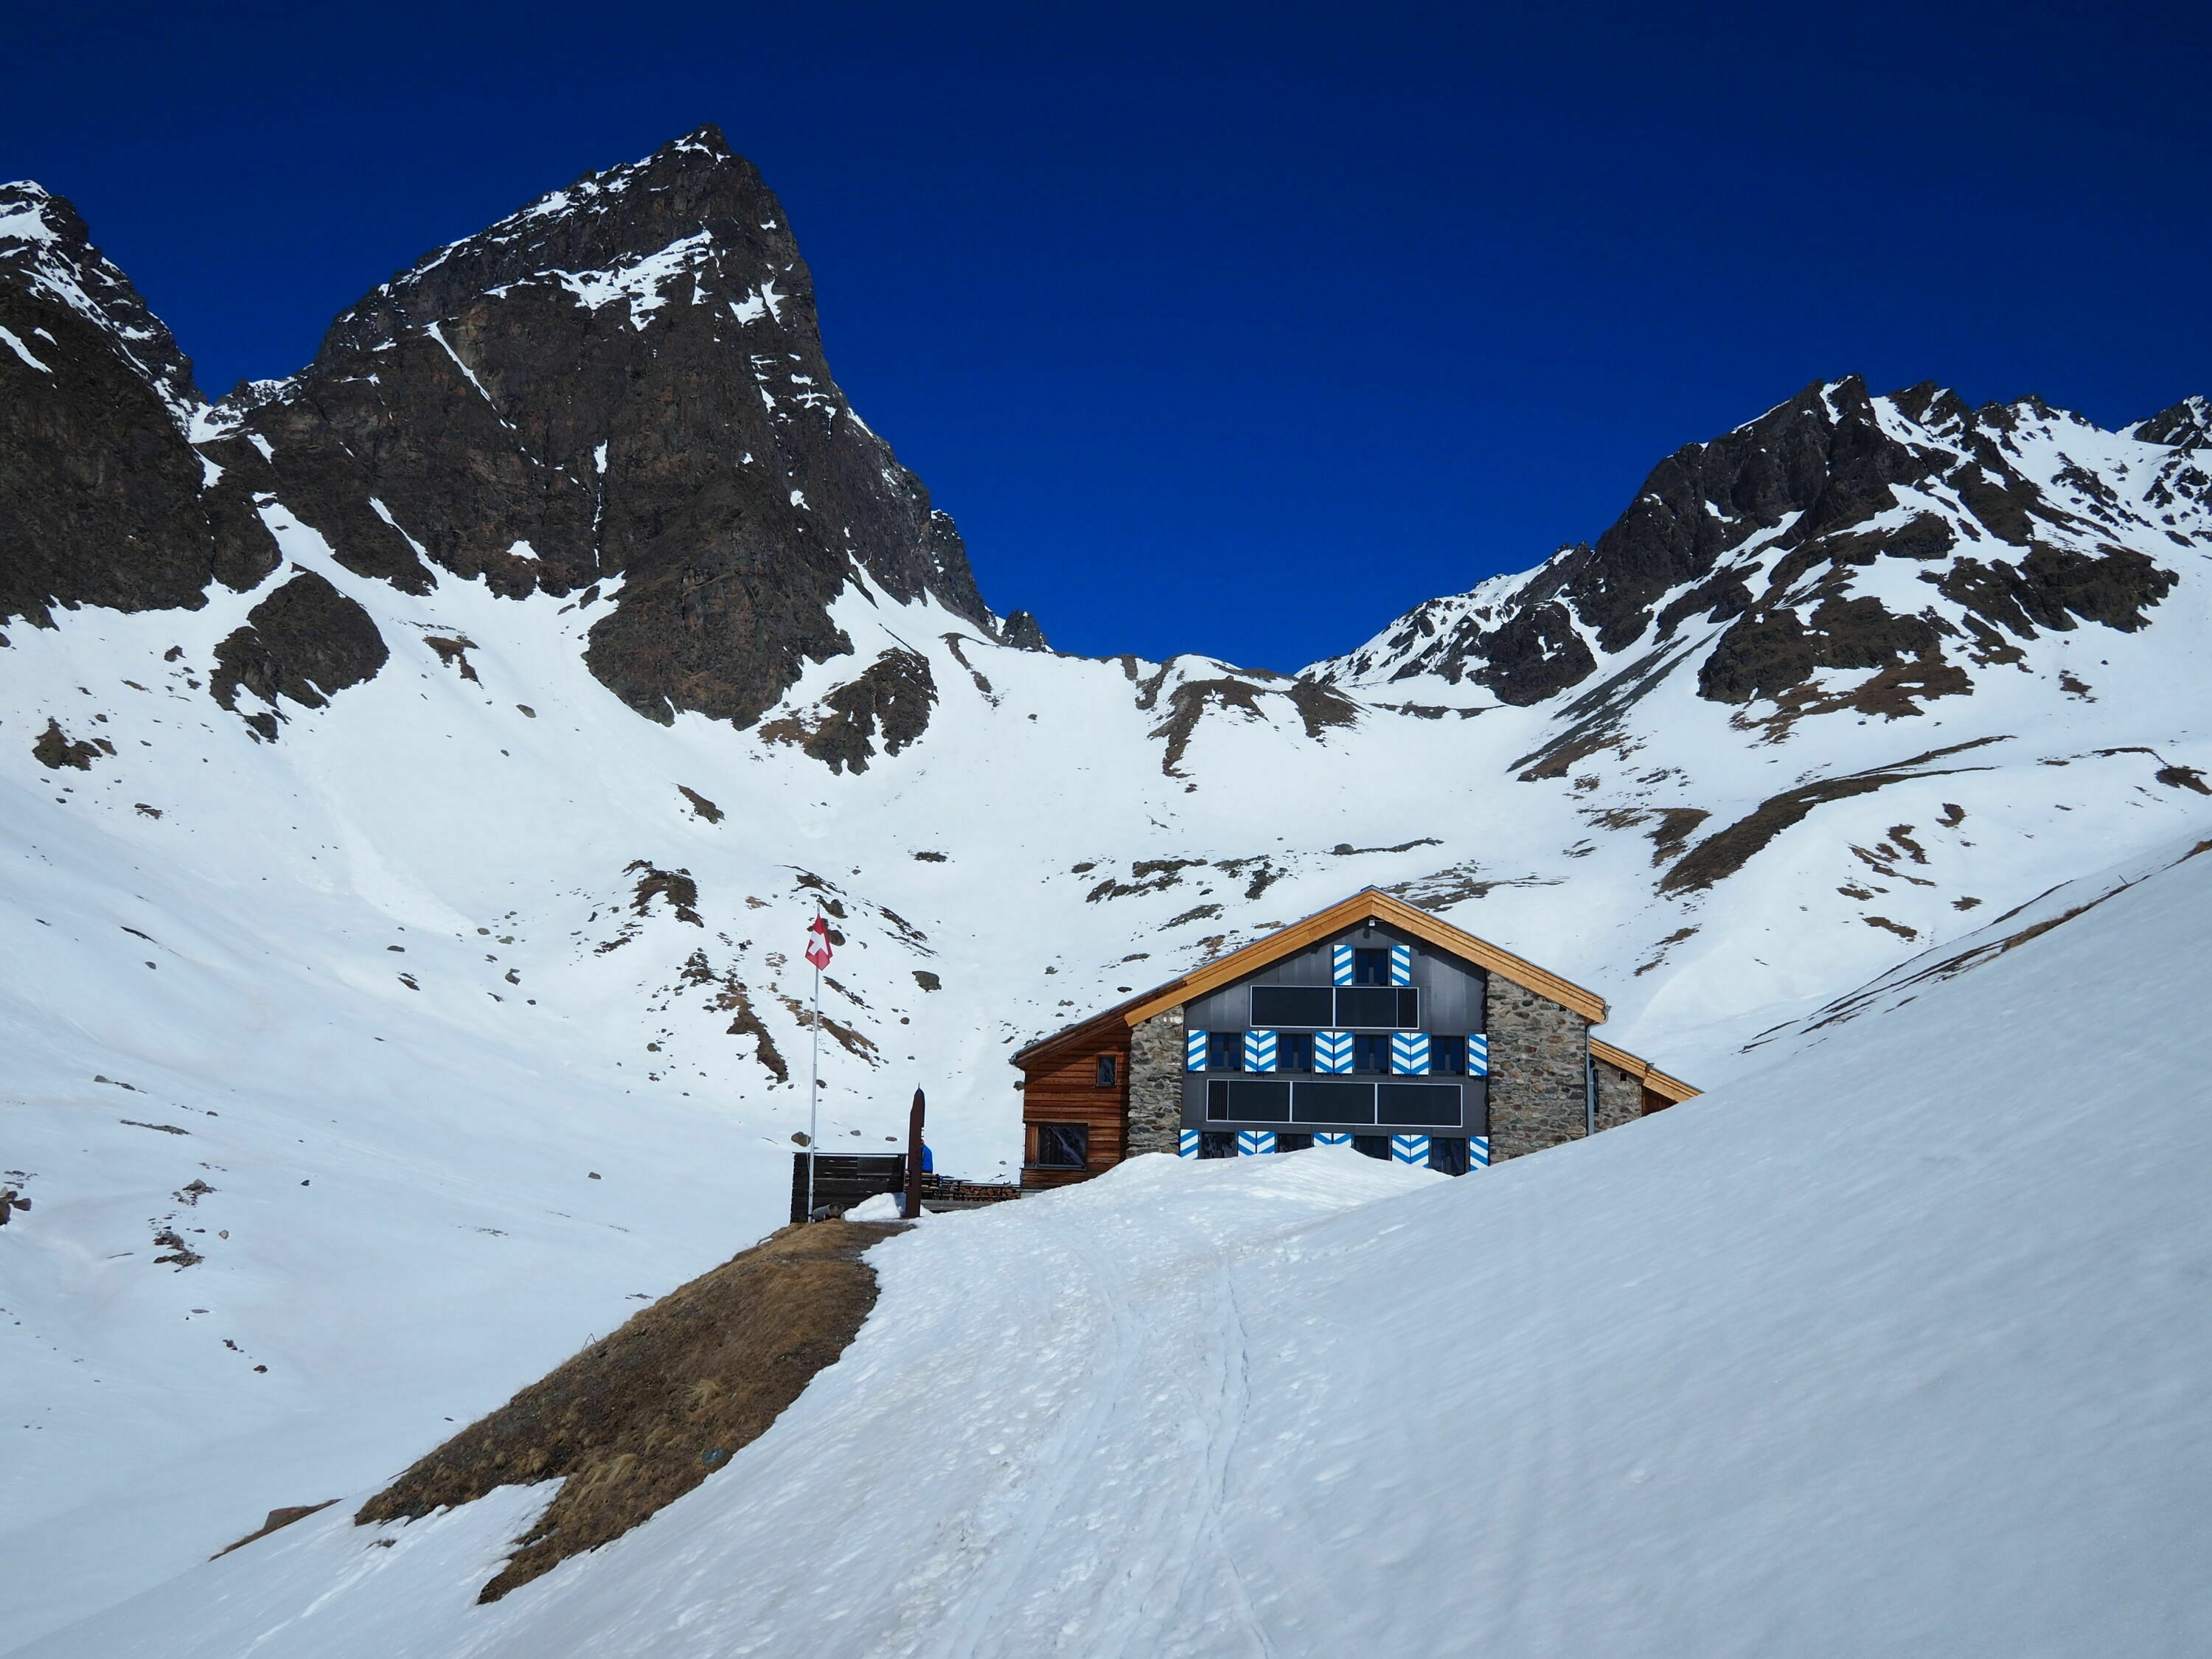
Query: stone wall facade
[[1156, 1062], [1538, 1087], [1619, 1097]]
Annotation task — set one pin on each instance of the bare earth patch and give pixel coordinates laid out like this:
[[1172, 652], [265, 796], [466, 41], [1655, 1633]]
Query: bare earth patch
[[640, 1418]]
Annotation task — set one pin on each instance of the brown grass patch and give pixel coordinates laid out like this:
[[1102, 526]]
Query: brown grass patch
[[640, 1418], [283, 1517]]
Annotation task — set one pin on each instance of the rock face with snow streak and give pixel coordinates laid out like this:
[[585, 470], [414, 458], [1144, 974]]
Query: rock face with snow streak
[[102, 501], [632, 368]]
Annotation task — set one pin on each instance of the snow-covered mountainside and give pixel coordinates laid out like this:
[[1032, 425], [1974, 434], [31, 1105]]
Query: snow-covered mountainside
[[1897, 1344], [414, 775]]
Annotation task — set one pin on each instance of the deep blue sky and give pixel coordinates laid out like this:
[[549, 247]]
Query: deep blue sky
[[1220, 328]]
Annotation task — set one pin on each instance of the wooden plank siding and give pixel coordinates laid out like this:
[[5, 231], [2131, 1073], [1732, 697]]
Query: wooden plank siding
[[1061, 1085]]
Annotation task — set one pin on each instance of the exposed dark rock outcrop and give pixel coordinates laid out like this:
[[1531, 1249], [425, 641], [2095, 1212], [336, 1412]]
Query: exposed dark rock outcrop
[[305, 641], [1725, 851], [2187, 425], [54, 750], [1023, 631], [890, 698]]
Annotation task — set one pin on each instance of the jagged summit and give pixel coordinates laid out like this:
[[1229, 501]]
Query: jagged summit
[[2186, 425], [689, 194], [47, 254], [625, 379]]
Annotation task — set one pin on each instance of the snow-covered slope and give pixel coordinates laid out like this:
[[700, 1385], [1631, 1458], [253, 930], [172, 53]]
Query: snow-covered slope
[[1896, 1345], [414, 775]]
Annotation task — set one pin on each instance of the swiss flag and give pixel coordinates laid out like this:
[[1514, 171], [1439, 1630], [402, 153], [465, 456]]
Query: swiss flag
[[817, 941]]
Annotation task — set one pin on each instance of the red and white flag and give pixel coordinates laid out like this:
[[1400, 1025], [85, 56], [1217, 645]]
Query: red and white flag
[[817, 941]]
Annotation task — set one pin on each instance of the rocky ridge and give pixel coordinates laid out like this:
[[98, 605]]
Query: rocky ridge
[[1905, 538]]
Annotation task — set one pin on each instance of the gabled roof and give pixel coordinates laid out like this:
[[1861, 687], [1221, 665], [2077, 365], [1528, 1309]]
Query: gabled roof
[[1369, 902]]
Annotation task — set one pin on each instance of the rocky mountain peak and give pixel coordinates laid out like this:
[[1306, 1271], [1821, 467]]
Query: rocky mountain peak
[[1905, 538], [47, 258], [619, 388], [2187, 425], [690, 193]]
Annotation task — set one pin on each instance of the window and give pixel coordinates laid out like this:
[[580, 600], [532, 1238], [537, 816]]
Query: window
[[1370, 967], [1275, 1007], [1340, 1008], [1392, 1009], [1212, 1144], [1287, 1142], [1426, 1103], [1449, 1154], [1373, 1146], [1224, 1051], [1294, 1051], [1333, 1103], [1247, 1103], [1448, 1055], [1371, 1054], [1109, 1071], [1063, 1146]]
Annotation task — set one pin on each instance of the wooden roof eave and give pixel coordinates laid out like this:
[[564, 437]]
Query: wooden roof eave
[[1371, 902], [1069, 1037], [1643, 1071]]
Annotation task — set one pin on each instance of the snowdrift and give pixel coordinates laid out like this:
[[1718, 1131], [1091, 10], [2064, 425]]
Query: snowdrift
[[1895, 1345]]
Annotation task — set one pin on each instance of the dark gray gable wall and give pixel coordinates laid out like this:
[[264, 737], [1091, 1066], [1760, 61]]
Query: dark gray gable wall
[[1453, 995], [1538, 1092]]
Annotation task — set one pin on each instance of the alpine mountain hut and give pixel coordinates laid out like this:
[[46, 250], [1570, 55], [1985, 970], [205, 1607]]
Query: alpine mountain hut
[[1372, 1023]]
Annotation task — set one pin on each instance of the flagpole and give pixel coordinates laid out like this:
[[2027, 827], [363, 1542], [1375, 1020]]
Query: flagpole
[[814, 1082]]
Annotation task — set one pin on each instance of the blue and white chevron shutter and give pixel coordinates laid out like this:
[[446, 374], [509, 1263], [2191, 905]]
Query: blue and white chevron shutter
[[1342, 963], [1258, 1051], [1401, 964], [1410, 1149], [1332, 1140], [1252, 1143], [1187, 1147], [1409, 1053], [1332, 1051], [1194, 1052], [1478, 1152], [1478, 1055]]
